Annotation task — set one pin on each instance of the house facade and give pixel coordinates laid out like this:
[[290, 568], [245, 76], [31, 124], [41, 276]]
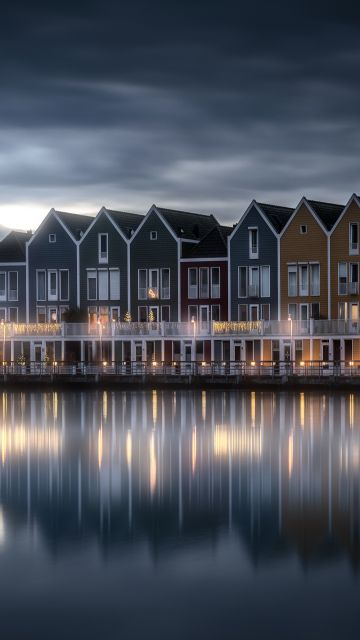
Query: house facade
[[253, 263], [53, 266], [104, 265], [13, 277]]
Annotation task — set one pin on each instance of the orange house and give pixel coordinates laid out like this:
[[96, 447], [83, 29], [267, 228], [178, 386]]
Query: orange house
[[304, 253], [344, 263]]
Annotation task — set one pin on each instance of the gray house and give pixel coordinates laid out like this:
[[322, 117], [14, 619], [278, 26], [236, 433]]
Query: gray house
[[13, 277], [53, 266], [155, 252], [104, 264], [253, 263]]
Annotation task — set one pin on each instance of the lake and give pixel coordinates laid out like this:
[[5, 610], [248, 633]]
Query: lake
[[163, 514]]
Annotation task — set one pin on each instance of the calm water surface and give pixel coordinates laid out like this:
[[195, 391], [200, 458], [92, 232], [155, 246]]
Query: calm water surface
[[179, 515]]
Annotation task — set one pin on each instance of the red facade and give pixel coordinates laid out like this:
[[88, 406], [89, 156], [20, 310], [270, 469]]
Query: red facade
[[204, 290]]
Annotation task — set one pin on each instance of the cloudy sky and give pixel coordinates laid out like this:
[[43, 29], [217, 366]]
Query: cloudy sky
[[191, 104]]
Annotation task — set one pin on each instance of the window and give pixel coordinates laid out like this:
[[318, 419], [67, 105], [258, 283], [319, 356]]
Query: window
[[204, 282], [64, 284], [2, 314], [142, 284], [13, 285], [342, 314], [215, 282], [242, 312], [114, 276], [52, 238], [165, 283], [153, 235], [215, 312], [253, 243], [354, 278], [242, 282], [2, 285], [52, 314], [13, 314], [115, 313], [142, 314], [314, 279], [193, 313], [292, 280], [40, 285], [303, 280], [342, 278], [298, 351], [192, 283], [254, 282], [353, 238], [103, 247], [153, 292], [63, 310], [315, 310], [165, 313], [254, 312], [292, 311], [303, 229], [303, 311], [265, 281], [103, 283], [41, 314], [265, 312], [92, 285], [52, 285]]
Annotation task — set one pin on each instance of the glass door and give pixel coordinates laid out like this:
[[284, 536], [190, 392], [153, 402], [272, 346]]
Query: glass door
[[204, 318]]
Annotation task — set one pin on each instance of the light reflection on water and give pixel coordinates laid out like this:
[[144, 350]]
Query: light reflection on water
[[150, 489]]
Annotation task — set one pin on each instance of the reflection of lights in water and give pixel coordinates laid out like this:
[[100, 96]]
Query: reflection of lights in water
[[351, 410], [253, 408], [2, 527], [100, 447], [105, 405], [55, 405], [154, 406], [128, 449], [291, 453], [237, 442], [193, 450], [203, 405], [153, 469], [302, 410], [15, 441]]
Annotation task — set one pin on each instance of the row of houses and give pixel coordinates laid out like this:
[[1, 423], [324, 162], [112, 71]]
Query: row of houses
[[275, 263]]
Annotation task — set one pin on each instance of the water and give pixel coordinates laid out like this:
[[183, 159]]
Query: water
[[179, 515]]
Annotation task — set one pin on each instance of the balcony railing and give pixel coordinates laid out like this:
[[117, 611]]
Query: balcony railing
[[353, 288]]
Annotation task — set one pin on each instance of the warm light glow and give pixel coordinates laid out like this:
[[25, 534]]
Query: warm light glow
[[351, 363], [241, 443], [154, 406], [128, 449], [302, 363], [203, 364], [237, 326], [104, 364], [16, 441], [351, 410], [302, 410], [153, 293], [253, 408], [291, 453], [100, 447], [253, 363], [55, 364], [154, 363], [203, 405]]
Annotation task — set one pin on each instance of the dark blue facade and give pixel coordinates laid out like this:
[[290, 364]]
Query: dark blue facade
[[239, 256]]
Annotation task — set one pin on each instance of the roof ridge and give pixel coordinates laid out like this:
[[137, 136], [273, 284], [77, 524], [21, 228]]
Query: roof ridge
[[277, 206], [191, 213]]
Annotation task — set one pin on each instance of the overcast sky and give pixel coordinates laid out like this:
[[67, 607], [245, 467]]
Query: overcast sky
[[200, 105]]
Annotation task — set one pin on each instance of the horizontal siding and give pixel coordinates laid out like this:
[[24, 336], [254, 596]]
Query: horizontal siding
[[339, 252], [222, 301], [20, 304]]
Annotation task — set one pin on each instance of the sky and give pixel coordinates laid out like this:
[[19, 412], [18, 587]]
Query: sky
[[196, 105]]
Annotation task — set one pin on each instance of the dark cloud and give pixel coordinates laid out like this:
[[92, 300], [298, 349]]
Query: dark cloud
[[191, 104]]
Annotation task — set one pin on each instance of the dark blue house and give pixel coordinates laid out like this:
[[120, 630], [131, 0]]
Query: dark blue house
[[104, 265], [53, 266], [253, 263], [13, 277]]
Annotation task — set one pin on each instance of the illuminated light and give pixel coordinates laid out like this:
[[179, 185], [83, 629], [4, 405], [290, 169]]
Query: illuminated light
[[36, 328], [351, 410], [203, 364], [154, 363], [154, 406], [174, 364], [351, 363], [302, 363], [324, 364], [55, 364], [104, 364], [4, 364], [203, 405], [237, 442], [253, 363], [253, 408], [153, 293], [17, 441], [105, 405], [253, 326], [223, 364]]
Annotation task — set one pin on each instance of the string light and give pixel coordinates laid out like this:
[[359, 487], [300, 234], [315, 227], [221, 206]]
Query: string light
[[254, 326]]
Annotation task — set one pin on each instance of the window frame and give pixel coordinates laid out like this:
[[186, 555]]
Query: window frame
[[38, 299], [212, 270], [353, 251], [102, 258], [52, 238], [52, 297], [262, 267], [204, 270], [61, 298], [246, 268], [190, 294], [292, 268], [162, 288], [3, 298], [142, 297], [94, 273], [114, 271], [253, 255]]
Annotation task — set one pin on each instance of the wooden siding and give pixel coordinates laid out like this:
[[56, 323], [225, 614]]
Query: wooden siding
[[339, 252], [20, 303], [222, 301], [302, 248], [267, 351]]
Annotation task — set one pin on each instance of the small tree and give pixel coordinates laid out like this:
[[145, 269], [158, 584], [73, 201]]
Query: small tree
[[151, 316], [127, 316]]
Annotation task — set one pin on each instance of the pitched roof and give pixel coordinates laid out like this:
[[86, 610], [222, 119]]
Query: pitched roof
[[126, 221], [212, 245], [188, 225], [75, 223], [327, 212], [277, 216], [12, 246]]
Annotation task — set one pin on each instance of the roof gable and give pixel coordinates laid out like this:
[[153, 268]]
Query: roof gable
[[13, 247], [327, 212], [187, 225], [126, 221], [354, 198], [76, 224], [212, 245]]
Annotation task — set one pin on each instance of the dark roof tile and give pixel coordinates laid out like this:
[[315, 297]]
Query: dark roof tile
[[75, 223], [12, 247], [188, 225], [126, 221], [212, 245], [327, 212], [277, 215]]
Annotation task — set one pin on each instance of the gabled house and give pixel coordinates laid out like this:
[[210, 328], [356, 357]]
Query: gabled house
[[253, 262], [13, 276], [304, 261], [155, 251], [53, 266], [204, 278], [104, 265]]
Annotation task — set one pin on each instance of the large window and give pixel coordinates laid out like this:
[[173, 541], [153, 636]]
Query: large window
[[165, 313], [40, 285], [253, 282], [165, 283], [192, 283], [215, 282], [13, 285], [215, 312], [242, 282], [92, 284], [303, 279], [342, 273], [353, 238], [153, 292], [265, 281], [114, 277], [204, 282], [292, 280], [354, 278], [315, 279], [103, 284], [2, 285], [292, 310], [253, 243], [52, 285], [64, 284], [103, 248], [242, 312], [142, 284]]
